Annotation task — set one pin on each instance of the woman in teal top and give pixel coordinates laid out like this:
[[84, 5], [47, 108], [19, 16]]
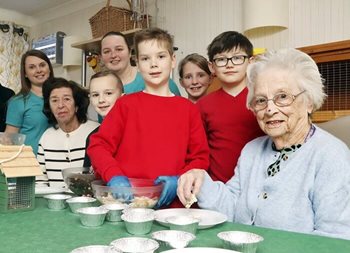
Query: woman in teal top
[[116, 54], [25, 110]]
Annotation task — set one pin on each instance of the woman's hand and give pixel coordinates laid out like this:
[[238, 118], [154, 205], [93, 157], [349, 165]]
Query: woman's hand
[[190, 183]]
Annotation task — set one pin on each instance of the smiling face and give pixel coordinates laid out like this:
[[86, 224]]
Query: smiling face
[[115, 53], [155, 64], [195, 81], [63, 107], [104, 93], [36, 70], [286, 125], [230, 75]]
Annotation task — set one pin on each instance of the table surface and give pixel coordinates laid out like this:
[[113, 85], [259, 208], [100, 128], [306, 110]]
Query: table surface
[[45, 230]]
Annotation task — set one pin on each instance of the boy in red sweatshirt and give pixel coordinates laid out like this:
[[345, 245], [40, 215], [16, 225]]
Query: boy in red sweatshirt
[[151, 134]]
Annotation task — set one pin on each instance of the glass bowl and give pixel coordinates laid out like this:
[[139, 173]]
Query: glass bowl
[[142, 193], [79, 180]]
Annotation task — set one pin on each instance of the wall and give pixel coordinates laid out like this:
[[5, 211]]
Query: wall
[[16, 17], [73, 19], [194, 23]]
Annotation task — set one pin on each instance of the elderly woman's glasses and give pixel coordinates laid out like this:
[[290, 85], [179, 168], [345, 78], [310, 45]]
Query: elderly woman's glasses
[[281, 99], [236, 60]]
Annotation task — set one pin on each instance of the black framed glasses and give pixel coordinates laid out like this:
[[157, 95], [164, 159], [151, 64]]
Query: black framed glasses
[[236, 60], [280, 99]]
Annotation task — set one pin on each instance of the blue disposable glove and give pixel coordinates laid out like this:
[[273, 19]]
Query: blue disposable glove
[[121, 193], [169, 190]]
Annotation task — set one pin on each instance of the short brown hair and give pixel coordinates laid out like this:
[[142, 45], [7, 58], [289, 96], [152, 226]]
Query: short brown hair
[[103, 73], [161, 36]]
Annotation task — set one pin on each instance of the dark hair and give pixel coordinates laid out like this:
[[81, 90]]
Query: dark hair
[[116, 34], [161, 36], [80, 96], [25, 83], [103, 73], [227, 41], [196, 59]]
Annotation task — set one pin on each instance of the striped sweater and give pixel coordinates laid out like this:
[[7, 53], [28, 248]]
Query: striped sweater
[[59, 150]]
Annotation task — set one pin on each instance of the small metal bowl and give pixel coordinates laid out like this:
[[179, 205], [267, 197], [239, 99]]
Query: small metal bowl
[[92, 216], [183, 223], [95, 249], [57, 201], [173, 239], [114, 211], [135, 245], [138, 222], [138, 211], [80, 202], [240, 241]]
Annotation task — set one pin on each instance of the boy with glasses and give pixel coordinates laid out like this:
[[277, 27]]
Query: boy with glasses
[[228, 123]]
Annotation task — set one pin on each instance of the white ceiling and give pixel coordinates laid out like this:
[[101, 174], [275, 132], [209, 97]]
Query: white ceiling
[[30, 7]]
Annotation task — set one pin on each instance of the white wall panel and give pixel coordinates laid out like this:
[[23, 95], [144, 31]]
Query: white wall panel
[[194, 23], [318, 21]]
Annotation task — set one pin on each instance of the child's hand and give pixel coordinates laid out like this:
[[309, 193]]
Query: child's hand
[[124, 188], [169, 190]]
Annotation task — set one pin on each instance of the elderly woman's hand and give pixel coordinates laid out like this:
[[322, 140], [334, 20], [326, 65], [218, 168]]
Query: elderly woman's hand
[[189, 184]]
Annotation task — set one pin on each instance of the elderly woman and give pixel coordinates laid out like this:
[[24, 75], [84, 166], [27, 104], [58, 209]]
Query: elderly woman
[[297, 177], [63, 145]]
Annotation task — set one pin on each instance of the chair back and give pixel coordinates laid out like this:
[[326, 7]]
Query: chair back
[[339, 128]]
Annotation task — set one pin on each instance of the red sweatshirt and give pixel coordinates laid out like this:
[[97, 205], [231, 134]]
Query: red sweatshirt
[[229, 126], [146, 136]]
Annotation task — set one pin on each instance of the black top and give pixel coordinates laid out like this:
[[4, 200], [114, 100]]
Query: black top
[[87, 161], [5, 95]]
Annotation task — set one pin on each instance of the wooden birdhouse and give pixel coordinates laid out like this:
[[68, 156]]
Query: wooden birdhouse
[[19, 167]]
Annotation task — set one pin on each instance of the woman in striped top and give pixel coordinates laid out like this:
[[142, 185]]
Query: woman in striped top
[[63, 145]]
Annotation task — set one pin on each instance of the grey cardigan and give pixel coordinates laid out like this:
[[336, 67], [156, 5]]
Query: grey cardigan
[[310, 194]]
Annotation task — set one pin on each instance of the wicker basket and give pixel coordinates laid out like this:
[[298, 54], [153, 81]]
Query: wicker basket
[[116, 19]]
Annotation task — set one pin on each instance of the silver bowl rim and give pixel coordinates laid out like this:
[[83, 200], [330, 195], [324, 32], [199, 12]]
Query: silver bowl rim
[[258, 237], [75, 200], [134, 238], [57, 196], [83, 210], [154, 234]]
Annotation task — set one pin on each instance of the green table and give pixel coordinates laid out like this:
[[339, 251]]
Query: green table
[[44, 230]]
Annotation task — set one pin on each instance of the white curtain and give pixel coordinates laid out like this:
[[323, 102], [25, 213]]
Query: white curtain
[[13, 43]]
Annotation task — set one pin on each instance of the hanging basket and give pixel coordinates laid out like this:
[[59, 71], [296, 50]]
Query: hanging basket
[[116, 19]]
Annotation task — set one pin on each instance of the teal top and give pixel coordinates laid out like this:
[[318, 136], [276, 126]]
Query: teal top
[[27, 115], [139, 84]]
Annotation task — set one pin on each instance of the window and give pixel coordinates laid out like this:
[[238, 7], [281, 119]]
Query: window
[[333, 60]]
